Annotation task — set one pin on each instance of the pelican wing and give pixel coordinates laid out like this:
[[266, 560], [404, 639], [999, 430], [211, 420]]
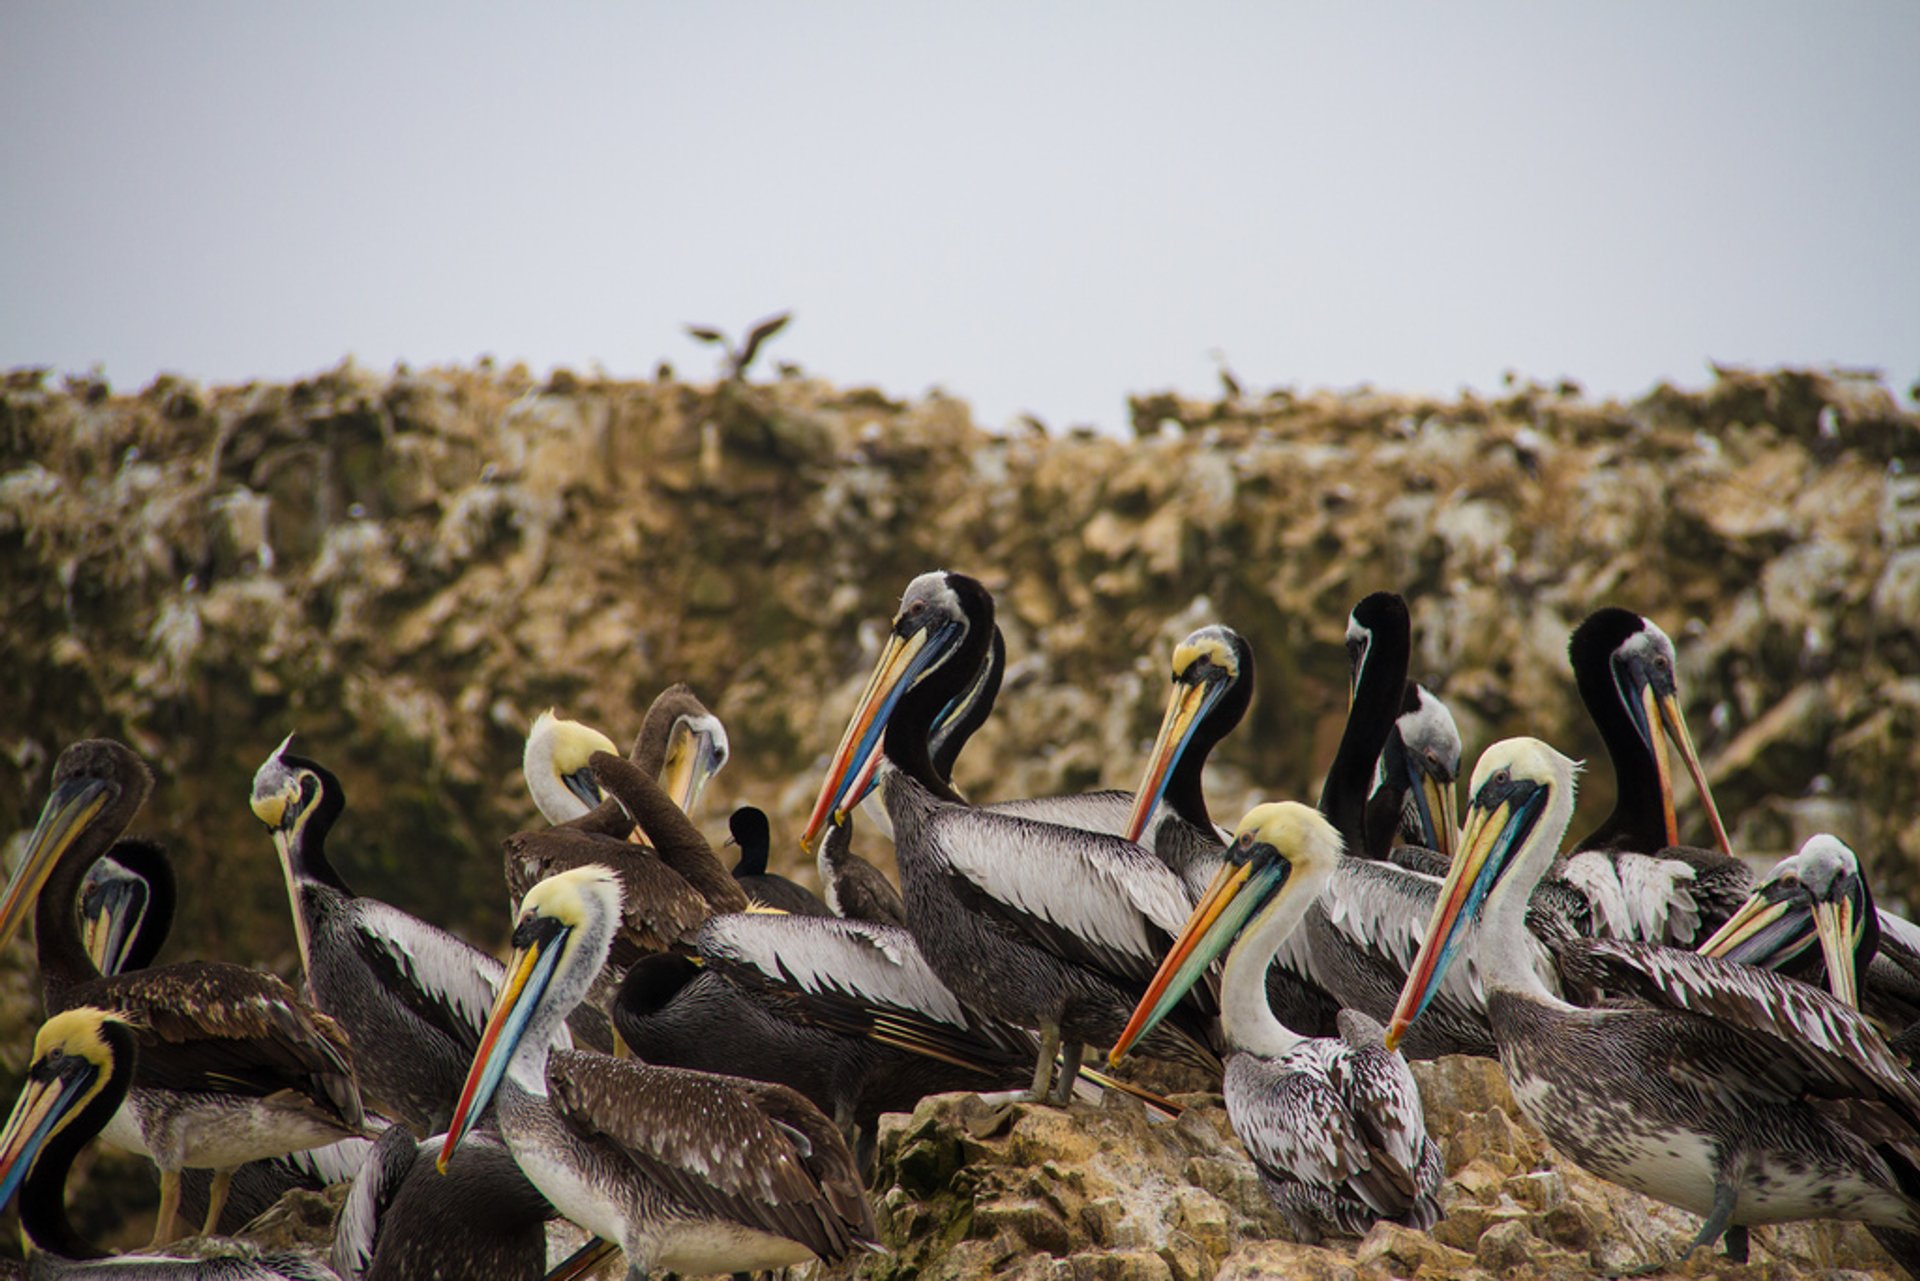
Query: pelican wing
[[211, 1027], [660, 910], [1088, 897], [357, 1231], [1803, 1040], [741, 1152], [1104, 811], [447, 982], [877, 965]]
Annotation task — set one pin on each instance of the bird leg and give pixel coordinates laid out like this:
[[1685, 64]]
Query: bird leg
[[169, 1208], [1719, 1217], [1043, 1067], [216, 1200], [1069, 1072], [1737, 1243]]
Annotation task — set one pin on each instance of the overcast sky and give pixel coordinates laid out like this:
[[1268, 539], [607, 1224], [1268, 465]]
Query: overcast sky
[[1037, 207]]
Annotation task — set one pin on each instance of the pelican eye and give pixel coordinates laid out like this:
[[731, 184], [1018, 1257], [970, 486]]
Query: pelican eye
[[1789, 881], [1501, 778]]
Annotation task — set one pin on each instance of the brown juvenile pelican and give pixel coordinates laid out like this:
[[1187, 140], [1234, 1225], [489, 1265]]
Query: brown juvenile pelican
[[412, 997], [1335, 1123], [1411, 812], [83, 1063], [233, 1065], [686, 1172], [748, 829], [1725, 1090], [845, 1012], [1043, 925], [481, 1221], [126, 911], [1813, 918], [1639, 881]]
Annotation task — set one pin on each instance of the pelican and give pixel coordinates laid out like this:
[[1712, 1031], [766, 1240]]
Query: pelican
[[1036, 923], [1813, 918], [412, 997], [747, 828], [481, 1221], [1640, 882], [680, 742], [1727, 1091], [686, 1172], [83, 1063], [847, 1013], [1411, 812], [1334, 1124], [126, 911], [233, 1065], [1212, 680]]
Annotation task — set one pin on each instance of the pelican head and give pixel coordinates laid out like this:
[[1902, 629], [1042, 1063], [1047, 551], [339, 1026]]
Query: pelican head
[[292, 793], [1208, 665], [1378, 614], [560, 940], [696, 751], [1522, 799], [95, 782], [1637, 659], [79, 1057], [555, 766], [944, 618], [126, 902], [1426, 749], [1817, 894], [1282, 856]]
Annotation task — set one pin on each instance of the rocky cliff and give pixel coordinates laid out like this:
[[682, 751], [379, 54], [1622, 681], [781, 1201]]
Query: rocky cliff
[[406, 568]]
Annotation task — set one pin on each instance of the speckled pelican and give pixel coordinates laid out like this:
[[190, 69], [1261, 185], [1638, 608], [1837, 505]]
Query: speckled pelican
[[1334, 1123], [684, 1171], [1728, 1091], [83, 1063], [233, 1065], [1046, 926]]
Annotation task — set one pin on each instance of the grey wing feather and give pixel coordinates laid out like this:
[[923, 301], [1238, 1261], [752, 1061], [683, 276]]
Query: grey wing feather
[[875, 964], [454, 982], [357, 1231]]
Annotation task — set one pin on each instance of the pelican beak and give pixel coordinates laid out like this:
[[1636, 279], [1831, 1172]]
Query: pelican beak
[[1833, 920], [694, 755], [901, 663], [1765, 932], [54, 1089], [1237, 890], [75, 803], [1497, 826], [538, 944], [110, 916], [1433, 801], [1187, 706], [1665, 705], [581, 783]]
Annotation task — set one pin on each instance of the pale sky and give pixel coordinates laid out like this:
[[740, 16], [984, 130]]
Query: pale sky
[[1039, 208]]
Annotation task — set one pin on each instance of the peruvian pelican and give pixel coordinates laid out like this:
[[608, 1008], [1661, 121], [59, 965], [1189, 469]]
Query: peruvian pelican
[[1412, 813], [686, 1172], [847, 1013], [680, 743], [481, 1221], [411, 996], [1639, 881], [1212, 678], [126, 912], [748, 828], [83, 1063], [1725, 1090], [233, 1065], [1042, 925], [1334, 1124], [1813, 918]]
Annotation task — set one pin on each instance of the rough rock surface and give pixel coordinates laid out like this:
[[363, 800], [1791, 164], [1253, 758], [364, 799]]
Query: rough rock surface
[[406, 568]]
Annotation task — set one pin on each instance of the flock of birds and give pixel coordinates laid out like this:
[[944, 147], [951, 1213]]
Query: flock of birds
[[690, 1063]]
